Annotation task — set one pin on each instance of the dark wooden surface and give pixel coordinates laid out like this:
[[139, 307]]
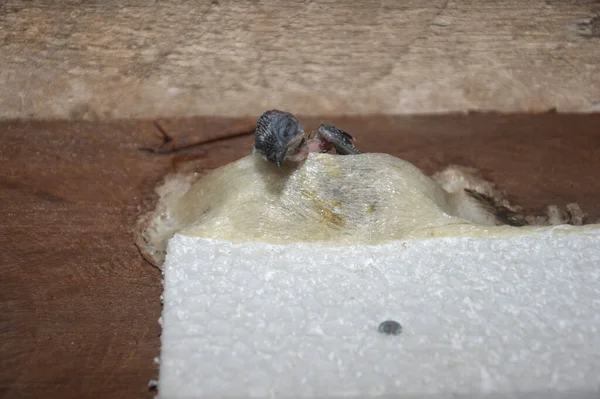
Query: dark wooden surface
[[79, 306]]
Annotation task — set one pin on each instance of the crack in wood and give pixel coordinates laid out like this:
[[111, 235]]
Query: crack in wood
[[171, 145]]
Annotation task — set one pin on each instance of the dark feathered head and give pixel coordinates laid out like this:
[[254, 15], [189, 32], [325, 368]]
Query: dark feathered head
[[277, 136]]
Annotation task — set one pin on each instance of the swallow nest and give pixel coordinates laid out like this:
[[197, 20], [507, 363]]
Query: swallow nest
[[339, 200]]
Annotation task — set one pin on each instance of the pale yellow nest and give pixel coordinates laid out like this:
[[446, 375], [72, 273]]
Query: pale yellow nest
[[338, 200]]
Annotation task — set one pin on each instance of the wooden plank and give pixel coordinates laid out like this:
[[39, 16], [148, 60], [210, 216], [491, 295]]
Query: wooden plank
[[174, 58], [79, 306]]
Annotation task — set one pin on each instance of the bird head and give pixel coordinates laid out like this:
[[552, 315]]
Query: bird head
[[278, 135]]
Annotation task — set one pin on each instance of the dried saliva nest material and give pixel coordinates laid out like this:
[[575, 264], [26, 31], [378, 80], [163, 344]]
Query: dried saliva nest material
[[360, 199], [456, 178]]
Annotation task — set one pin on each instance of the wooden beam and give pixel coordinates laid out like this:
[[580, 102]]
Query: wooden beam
[[175, 58]]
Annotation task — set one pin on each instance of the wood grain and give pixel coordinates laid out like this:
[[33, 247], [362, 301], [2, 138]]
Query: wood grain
[[79, 306], [173, 58]]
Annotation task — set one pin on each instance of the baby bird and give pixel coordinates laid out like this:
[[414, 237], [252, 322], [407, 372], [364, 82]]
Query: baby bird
[[279, 136]]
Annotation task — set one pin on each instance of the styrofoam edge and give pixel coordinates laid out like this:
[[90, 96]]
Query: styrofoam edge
[[477, 232]]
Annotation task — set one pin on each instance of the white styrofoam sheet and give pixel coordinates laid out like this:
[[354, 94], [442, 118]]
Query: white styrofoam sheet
[[496, 316]]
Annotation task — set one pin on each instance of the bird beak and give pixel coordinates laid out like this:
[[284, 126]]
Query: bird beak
[[279, 157]]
